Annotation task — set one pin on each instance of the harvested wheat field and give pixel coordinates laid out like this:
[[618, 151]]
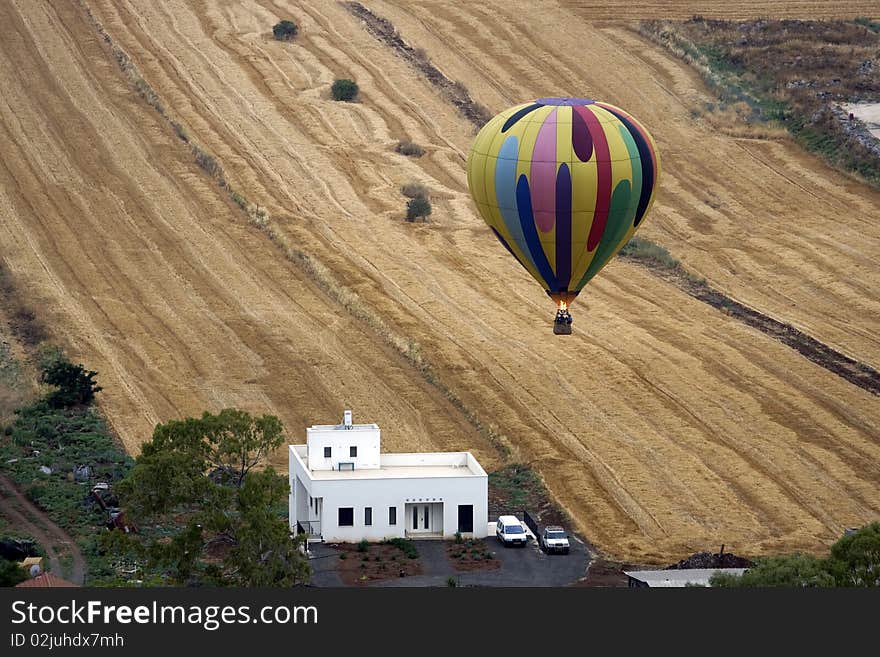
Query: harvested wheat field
[[613, 10], [662, 425]]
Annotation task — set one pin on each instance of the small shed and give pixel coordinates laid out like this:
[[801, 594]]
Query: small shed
[[32, 561], [677, 578]]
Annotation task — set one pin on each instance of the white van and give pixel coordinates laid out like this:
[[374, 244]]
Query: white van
[[510, 531]]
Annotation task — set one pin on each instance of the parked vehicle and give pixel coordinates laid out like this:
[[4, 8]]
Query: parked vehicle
[[510, 531], [554, 539]]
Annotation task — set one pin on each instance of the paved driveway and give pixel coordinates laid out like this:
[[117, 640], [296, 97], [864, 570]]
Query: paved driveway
[[520, 566]]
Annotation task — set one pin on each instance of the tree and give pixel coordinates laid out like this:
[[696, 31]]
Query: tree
[[200, 476], [11, 573], [795, 570], [76, 385], [264, 554], [417, 207], [285, 30], [345, 90], [855, 559]]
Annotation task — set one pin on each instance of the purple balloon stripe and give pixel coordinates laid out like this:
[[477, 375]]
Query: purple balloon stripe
[[563, 227], [581, 140], [542, 177]]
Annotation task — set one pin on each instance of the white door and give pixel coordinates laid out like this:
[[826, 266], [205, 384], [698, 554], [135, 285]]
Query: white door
[[420, 518]]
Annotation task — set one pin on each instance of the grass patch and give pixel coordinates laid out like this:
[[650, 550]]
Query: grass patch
[[872, 25], [657, 257], [794, 74], [517, 487], [61, 439]]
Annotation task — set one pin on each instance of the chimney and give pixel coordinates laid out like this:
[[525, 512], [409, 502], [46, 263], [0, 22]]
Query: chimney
[[346, 419]]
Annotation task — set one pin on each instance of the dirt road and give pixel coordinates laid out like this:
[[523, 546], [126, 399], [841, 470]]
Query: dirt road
[[27, 518], [663, 426]]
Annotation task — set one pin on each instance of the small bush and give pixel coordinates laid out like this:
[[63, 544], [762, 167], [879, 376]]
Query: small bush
[[410, 149], [406, 546], [363, 545], [418, 208], [239, 200], [414, 190], [75, 385], [285, 30], [451, 582], [343, 556], [458, 538], [344, 90]]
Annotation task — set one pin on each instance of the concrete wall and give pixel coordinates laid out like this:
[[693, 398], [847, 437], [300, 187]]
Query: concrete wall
[[380, 494], [367, 441]]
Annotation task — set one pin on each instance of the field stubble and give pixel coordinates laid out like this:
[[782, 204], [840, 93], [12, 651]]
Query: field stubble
[[662, 426]]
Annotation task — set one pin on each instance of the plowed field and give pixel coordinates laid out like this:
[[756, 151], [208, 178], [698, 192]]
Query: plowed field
[[663, 426]]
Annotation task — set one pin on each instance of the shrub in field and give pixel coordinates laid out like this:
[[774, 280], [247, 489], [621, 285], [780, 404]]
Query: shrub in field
[[344, 90], [418, 208], [410, 149], [414, 190], [285, 30], [75, 385]]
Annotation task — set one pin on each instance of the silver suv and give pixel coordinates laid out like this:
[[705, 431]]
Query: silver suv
[[554, 539]]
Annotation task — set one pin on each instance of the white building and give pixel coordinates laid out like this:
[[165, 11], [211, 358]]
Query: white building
[[676, 578], [342, 488]]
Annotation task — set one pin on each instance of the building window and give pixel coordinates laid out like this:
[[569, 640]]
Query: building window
[[353, 451], [346, 517], [466, 518], [326, 452], [392, 515], [368, 516]]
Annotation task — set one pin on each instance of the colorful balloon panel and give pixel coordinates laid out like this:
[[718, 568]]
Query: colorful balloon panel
[[563, 183]]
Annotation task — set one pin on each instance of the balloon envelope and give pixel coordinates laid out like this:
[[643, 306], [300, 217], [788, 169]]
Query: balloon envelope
[[563, 183]]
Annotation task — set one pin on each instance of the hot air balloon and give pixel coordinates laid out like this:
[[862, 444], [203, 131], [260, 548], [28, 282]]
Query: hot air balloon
[[563, 183]]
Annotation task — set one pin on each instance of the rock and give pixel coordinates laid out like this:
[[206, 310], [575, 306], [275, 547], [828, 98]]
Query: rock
[[45, 469], [82, 473]]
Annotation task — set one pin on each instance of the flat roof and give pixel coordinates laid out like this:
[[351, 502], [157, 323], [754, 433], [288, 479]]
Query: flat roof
[[342, 427], [397, 470], [681, 576]]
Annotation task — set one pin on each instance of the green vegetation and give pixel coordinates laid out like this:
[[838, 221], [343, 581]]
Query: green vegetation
[[518, 487], [854, 561], [418, 208], [285, 30], [647, 251], [11, 573], [74, 385], [410, 149], [657, 257], [43, 435], [344, 90], [208, 515], [404, 545], [872, 25], [791, 73]]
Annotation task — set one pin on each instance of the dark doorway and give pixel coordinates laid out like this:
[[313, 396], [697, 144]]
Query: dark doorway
[[466, 518]]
